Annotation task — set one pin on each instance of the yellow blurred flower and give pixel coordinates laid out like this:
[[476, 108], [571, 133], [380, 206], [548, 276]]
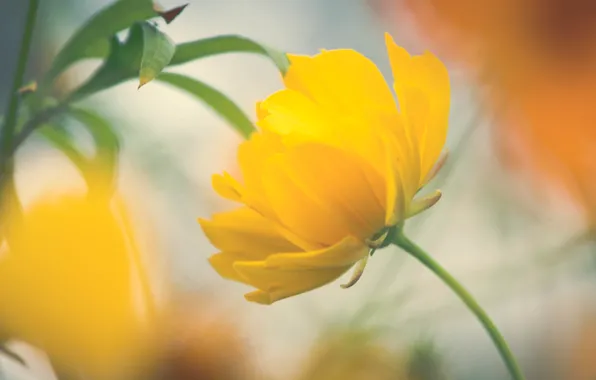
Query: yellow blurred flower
[[538, 58], [334, 166], [72, 283]]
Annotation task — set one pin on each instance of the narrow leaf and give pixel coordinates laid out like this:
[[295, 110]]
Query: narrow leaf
[[219, 102], [103, 167], [107, 141], [122, 64], [206, 47], [61, 140], [92, 39], [158, 50], [124, 60]]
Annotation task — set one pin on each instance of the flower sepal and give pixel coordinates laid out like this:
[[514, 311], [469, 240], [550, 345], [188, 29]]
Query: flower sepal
[[383, 238], [423, 203]]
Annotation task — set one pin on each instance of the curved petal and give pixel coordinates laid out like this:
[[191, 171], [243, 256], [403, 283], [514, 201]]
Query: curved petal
[[252, 155], [397, 195], [296, 277], [287, 283], [402, 174], [422, 203], [422, 87], [338, 96], [324, 194], [246, 233], [311, 219], [227, 187], [341, 80], [342, 182], [346, 253], [223, 263], [287, 111], [300, 119]]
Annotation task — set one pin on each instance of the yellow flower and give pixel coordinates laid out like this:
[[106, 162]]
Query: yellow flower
[[333, 167], [72, 284]]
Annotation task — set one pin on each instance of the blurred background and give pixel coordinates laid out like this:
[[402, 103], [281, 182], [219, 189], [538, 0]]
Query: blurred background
[[514, 224]]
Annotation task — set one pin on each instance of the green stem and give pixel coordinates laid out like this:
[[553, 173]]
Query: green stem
[[9, 126], [37, 121], [406, 244], [7, 185]]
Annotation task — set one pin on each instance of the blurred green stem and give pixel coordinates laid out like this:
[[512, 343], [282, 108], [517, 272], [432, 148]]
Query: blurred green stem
[[409, 246], [9, 126], [37, 121], [7, 185]]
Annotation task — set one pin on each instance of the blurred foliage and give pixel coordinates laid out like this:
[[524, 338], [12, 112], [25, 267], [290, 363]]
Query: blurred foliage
[[425, 362], [352, 354]]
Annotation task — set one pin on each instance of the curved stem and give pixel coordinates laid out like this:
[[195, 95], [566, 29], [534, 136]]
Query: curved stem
[[406, 244], [37, 121]]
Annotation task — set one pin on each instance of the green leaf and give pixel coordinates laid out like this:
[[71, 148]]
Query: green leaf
[[158, 50], [124, 60], [107, 141], [206, 47], [219, 102], [61, 140], [92, 39], [122, 64]]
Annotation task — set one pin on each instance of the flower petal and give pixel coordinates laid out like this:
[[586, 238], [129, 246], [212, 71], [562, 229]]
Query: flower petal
[[349, 102], [309, 218], [420, 204], [287, 111], [343, 182], [323, 194], [223, 263], [436, 168], [282, 283], [422, 87], [252, 155], [300, 119], [259, 296], [401, 179], [347, 252], [341, 80], [227, 187], [246, 233]]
